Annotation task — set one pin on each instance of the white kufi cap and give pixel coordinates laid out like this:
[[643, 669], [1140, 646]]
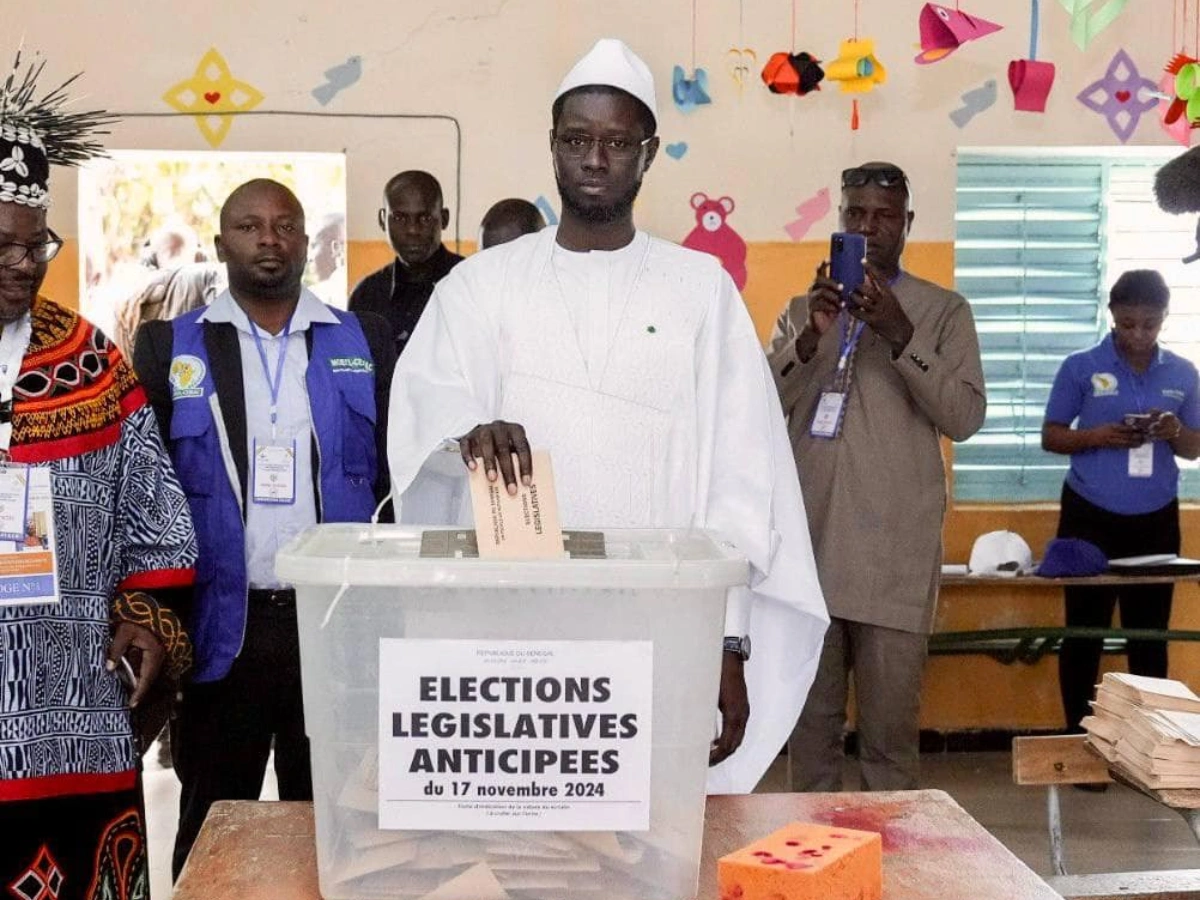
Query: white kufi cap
[[613, 64]]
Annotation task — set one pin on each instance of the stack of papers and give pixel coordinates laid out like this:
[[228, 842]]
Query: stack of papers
[[1150, 727]]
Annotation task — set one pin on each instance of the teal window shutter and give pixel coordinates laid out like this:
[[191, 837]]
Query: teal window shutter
[[1029, 256]]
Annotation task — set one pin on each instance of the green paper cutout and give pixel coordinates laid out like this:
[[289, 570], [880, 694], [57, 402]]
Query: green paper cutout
[[1086, 23]]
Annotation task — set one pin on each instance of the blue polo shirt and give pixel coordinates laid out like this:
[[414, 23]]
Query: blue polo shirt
[[1096, 387]]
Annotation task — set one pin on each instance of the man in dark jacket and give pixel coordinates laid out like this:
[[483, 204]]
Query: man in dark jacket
[[412, 217]]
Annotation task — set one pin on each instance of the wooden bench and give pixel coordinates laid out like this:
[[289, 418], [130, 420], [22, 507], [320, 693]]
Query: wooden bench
[[1051, 761], [1066, 759]]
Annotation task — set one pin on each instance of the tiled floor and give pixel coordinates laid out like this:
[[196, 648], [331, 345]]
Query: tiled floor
[[1119, 830]]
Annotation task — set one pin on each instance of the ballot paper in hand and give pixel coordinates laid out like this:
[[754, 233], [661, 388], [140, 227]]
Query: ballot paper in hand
[[524, 526]]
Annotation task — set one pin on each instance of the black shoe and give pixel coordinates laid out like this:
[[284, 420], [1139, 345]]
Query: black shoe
[[1092, 787]]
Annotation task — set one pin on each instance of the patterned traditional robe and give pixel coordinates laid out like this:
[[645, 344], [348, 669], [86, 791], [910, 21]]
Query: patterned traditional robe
[[70, 802]]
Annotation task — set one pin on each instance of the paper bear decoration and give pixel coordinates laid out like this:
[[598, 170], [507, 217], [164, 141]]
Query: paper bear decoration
[[713, 234]]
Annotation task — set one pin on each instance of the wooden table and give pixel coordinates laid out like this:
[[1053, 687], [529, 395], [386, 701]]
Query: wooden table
[[931, 848]]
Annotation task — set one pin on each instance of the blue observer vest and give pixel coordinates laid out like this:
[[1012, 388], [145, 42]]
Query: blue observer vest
[[341, 397]]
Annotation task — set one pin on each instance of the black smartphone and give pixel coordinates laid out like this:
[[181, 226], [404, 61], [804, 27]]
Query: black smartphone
[[846, 253], [1140, 421]]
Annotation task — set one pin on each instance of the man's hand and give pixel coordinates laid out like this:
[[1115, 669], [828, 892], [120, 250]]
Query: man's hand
[[145, 654], [495, 444], [877, 306], [734, 705], [824, 300], [1116, 436]]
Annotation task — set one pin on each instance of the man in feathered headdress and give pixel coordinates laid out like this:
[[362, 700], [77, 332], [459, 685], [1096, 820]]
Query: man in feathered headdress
[[86, 619]]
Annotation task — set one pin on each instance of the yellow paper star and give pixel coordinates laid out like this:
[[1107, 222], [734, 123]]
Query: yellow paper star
[[213, 89]]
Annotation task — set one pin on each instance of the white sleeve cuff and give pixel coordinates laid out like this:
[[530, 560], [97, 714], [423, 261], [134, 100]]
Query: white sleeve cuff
[[738, 603]]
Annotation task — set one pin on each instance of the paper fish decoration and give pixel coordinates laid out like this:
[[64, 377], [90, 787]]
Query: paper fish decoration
[[688, 93], [810, 212], [1030, 80], [338, 79], [944, 30], [975, 101], [856, 68], [792, 73]]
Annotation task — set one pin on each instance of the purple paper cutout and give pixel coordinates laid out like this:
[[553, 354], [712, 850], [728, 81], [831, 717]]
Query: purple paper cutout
[[1121, 96]]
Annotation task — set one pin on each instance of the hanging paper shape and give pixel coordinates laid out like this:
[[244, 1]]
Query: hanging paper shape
[[792, 73], [974, 102], [1172, 85], [1121, 96], [944, 30], [856, 69], [688, 93], [741, 63], [1173, 122], [1031, 79], [713, 234], [1090, 17]]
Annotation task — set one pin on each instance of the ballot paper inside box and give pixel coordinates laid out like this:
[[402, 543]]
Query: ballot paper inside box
[[362, 588]]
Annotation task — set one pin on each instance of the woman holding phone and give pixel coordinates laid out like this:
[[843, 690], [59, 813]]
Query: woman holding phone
[[1122, 410]]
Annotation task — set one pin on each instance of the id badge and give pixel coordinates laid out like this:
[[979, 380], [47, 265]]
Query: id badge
[[828, 415], [14, 502], [1141, 461], [274, 477], [29, 565]]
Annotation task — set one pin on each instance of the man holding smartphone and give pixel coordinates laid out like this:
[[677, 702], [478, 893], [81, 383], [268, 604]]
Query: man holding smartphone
[[870, 380]]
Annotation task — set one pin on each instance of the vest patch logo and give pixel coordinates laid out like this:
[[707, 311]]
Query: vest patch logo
[[1104, 384], [351, 364], [1173, 393], [187, 376]]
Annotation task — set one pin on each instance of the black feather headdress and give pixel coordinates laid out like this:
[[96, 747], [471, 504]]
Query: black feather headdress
[[36, 133]]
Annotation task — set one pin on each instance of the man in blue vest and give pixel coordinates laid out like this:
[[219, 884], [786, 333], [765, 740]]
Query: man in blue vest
[[273, 408]]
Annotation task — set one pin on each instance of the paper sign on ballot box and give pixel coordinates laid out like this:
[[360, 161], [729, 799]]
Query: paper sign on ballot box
[[515, 735]]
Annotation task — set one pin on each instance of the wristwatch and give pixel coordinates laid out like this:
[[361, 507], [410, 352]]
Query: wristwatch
[[738, 645]]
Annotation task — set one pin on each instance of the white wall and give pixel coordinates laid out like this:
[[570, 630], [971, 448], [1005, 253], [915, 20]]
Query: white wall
[[494, 64]]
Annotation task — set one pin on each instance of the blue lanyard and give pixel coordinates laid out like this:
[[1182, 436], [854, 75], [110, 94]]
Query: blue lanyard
[[850, 336], [273, 384]]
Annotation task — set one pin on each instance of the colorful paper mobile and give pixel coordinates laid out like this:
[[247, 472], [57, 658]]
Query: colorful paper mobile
[[741, 63], [713, 234], [974, 102], [1170, 117], [944, 30], [1184, 90], [688, 93], [810, 212], [1090, 17], [212, 89], [792, 73], [1121, 96], [856, 69], [1031, 79]]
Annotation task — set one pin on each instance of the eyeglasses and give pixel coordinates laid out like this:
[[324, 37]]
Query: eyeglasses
[[577, 146], [13, 254], [884, 176]]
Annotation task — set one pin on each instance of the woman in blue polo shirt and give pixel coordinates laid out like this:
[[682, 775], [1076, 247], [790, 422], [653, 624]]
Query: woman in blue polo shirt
[[1135, 407]]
